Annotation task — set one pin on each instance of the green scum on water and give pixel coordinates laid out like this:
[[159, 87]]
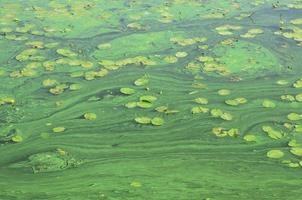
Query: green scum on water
[[155, 99]]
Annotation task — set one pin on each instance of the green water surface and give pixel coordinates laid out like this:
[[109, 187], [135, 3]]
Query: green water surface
[[154, 100]]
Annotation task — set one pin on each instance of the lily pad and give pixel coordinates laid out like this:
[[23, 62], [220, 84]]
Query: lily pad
[[58, 129], [148, 98], [224, 92], [144, 104], [275, 154], [236, 102], [66, 52], [143, 120], [132, 104], [157, 121], [90, 116], [201, 100], [250, 138], [272, 133], [127, 91], [294, 116], [141, 81], [199, 109], [268, 104], [17, 138], [297, 151]]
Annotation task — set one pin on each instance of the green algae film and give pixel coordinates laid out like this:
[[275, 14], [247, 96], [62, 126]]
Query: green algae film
[[150, 99]]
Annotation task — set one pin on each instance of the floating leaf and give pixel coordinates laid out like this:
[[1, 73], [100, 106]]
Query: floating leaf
[[90, 116], [144, 104], [282, 82], [148, 98], [216, 112], [235, 102], [297, 151], [250, 138], [226, 116], [268, 104], [299, 97], [66, 52], [143, 120], [127, 91], [170, 59], [272, 133], [181, 54], [275, 154], [157, 121], [161, 109], [294, 116], [199, 109], [58, 129], [201, 100], [141, 81], [136, 184], [131, 104], [75, 86], [224, 92], [17, 138]]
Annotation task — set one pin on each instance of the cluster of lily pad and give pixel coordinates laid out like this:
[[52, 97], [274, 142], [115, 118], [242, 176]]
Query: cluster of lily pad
[[57, 88], [223, 132], [156, 121], [292, 31], [236, 101]]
